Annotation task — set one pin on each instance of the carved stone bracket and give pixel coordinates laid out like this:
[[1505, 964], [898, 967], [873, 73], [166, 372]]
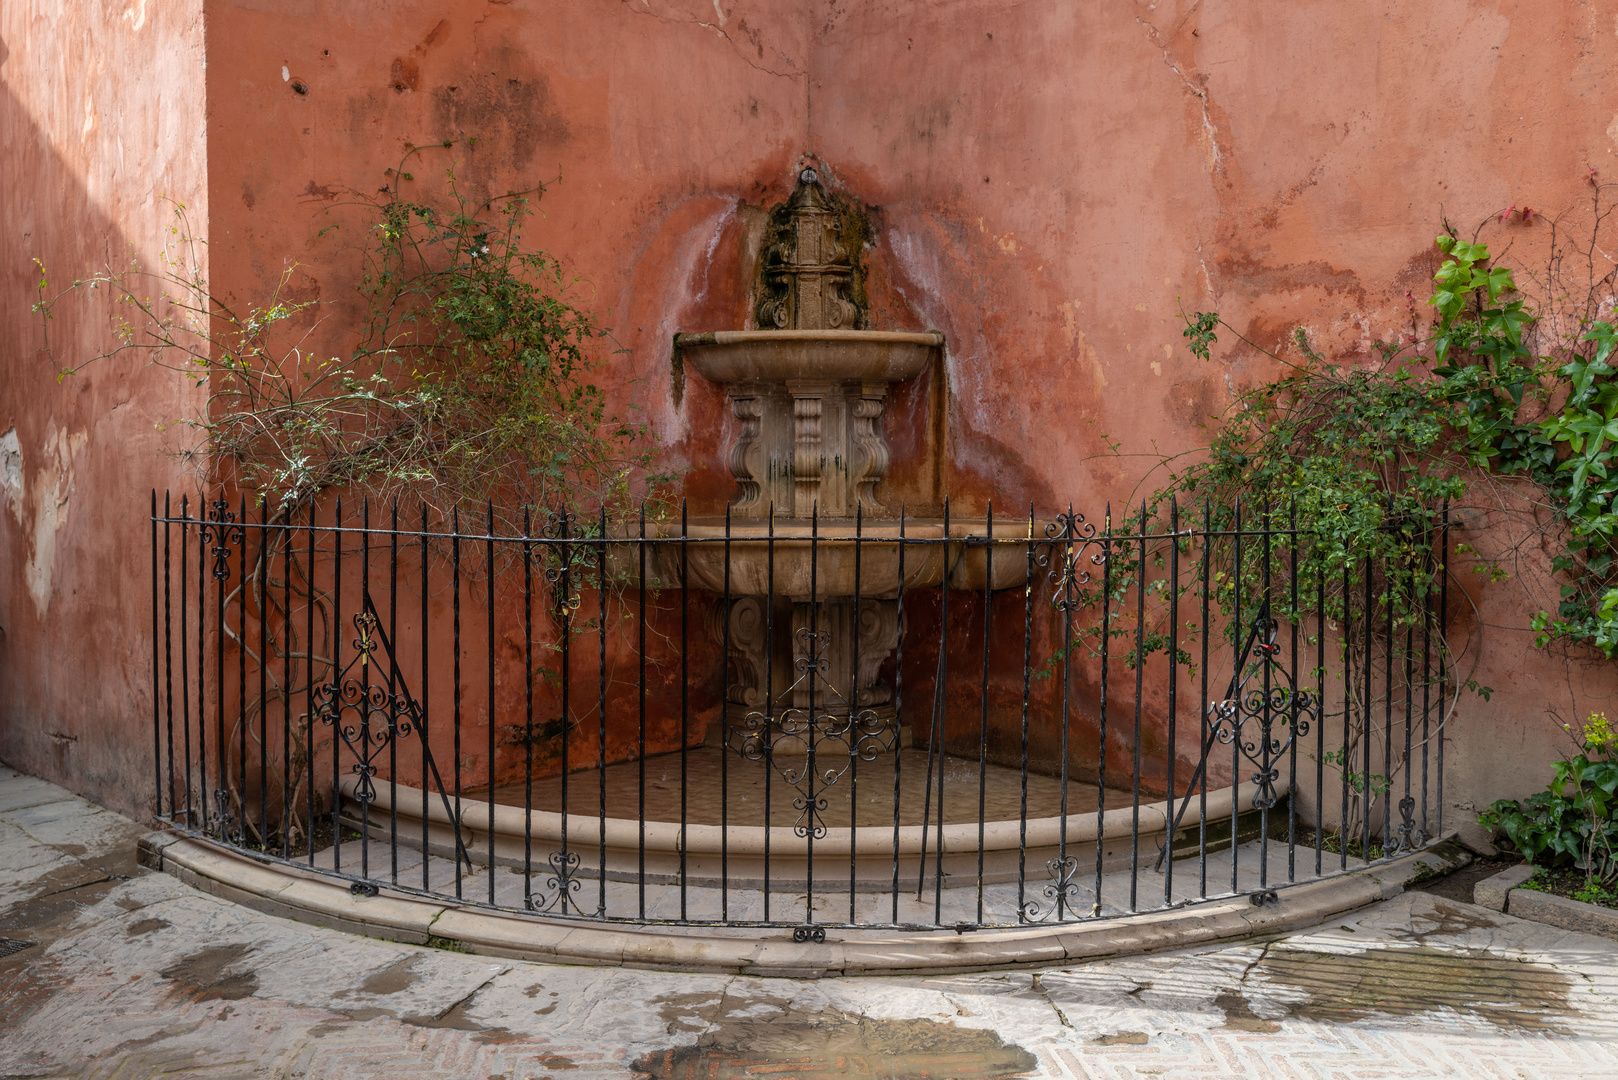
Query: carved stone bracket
[[878, 637], [807, 459], [747, 455], [872, 463], [846, 649], [748, 662]]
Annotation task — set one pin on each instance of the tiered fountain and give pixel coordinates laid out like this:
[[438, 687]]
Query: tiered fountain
[[806, 576], [809, 392]]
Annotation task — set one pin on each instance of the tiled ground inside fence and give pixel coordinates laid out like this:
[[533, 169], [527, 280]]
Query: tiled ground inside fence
[[1257, 865], [717, 780]]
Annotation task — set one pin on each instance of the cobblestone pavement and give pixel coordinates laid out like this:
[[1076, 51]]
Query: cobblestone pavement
[[132, 974]]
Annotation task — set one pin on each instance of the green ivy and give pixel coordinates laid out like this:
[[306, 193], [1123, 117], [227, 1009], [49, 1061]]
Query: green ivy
[[472, 379], [1370, 455]]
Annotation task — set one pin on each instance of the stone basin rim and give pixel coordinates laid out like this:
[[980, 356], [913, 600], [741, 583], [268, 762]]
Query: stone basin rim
[[839, 530], [696, 339], [747, 361], [1009, 834]]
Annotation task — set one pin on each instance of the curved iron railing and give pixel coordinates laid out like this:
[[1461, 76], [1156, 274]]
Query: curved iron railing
[[929, 722]]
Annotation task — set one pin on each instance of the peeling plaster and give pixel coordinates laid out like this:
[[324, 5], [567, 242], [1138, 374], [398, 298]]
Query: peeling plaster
[[1070, 330], [51, 490], [11, 472]]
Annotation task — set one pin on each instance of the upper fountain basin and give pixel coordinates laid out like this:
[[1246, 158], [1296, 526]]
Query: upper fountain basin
[[870, 356]]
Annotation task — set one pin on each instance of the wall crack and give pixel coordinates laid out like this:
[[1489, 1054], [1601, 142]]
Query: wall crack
[[1210, 131], [645, 9]]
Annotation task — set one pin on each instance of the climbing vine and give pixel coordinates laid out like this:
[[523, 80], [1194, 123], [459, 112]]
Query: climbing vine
[[1500, 401], [467, 385], [1499, 396], [469, 379]]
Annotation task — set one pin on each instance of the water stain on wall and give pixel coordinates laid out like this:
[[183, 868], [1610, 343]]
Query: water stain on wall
[[41, 507]]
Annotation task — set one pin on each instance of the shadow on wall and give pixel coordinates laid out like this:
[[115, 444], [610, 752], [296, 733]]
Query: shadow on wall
[[77, 458]]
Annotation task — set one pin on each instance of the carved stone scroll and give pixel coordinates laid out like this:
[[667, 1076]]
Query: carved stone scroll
[[872, 463], [747, 652], [747, 455], [807, 458], [879, 636]]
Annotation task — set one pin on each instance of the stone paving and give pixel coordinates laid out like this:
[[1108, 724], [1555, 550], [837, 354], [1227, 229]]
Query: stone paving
[[131, 974]]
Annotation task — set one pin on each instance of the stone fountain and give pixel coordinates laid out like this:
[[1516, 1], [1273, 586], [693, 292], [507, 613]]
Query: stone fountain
[[808, 634], [810, 617]]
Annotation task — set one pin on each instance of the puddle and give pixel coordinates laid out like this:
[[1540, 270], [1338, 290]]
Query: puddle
[[1343, 988], [752, 1039], [392, 979], [458, 1018], [1458, 885], [1450, 920], [1123, 1038], [61, 894], [1239, 1015], [202, 974]]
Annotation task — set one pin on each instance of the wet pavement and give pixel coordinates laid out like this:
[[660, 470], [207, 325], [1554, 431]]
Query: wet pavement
[[114, 971]]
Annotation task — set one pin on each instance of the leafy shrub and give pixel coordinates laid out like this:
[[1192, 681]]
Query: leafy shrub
[[1572, 822], [470, 377]]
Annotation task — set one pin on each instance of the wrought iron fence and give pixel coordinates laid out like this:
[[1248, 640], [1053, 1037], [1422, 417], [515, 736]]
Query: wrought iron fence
[[921, 722]]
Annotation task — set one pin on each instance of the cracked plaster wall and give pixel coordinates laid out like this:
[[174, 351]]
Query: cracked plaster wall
[[1058, 181], [1051, 182]]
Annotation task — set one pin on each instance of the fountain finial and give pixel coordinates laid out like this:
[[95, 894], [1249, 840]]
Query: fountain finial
[[807, 269]]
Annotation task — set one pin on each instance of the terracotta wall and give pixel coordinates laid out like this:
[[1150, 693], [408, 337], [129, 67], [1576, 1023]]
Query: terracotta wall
[[1052, 183], [101, 114]]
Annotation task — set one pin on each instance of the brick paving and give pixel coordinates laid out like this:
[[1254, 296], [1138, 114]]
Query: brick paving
[[132, 974]]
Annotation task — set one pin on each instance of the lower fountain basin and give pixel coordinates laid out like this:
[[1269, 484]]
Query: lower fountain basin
[[827, 559], [709, 856]]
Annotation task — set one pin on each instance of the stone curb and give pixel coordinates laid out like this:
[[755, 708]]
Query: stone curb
[[1492, 891], [1562, 912], [310, 897]]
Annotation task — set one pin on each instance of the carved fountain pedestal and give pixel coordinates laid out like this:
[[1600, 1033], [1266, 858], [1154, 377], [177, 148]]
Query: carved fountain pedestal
[[810, 448]]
